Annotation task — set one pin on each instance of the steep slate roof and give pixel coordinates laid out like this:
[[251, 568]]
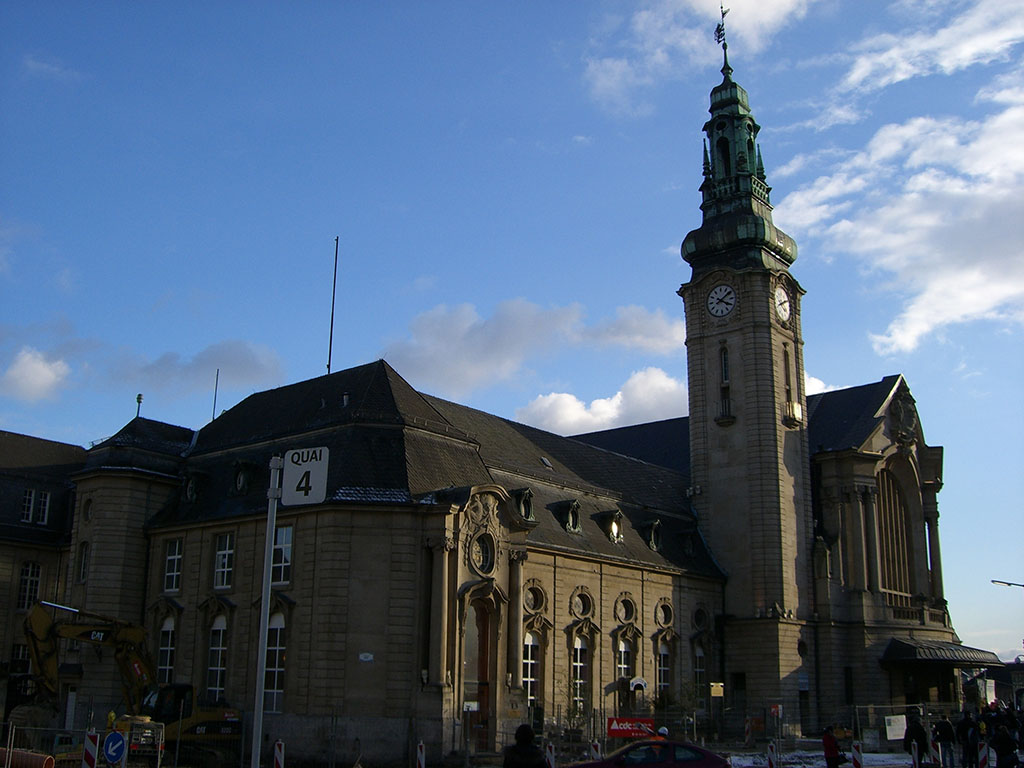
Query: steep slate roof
[[836, 420], [845, 418], [38, 455], [392, 445]]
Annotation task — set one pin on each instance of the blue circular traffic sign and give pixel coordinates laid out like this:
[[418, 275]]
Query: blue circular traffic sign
[[114, 747]]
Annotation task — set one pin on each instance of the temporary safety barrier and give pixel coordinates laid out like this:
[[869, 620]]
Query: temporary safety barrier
[[278, 754]]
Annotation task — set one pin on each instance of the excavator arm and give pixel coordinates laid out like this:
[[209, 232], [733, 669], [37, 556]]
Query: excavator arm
[[128, 642]]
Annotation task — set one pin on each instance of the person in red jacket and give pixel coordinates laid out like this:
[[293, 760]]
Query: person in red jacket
[[831, 747]]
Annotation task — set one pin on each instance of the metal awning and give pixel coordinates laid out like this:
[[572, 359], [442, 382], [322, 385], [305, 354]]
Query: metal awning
[[912, 650]]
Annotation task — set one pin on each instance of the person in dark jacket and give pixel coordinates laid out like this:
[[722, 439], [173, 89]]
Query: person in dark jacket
[[967, 735], [916, 734], [524, 753], [945, 736], [1005, 747]]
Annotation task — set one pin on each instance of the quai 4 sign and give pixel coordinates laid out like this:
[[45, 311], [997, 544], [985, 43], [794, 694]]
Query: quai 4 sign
[[304, 479]]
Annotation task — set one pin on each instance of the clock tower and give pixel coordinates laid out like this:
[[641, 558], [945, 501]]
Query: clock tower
[[749, 465]]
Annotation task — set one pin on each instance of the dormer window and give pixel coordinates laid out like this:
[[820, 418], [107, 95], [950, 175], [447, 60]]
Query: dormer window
[[572, 516], [524, 503], [613, 525], [654, 535]]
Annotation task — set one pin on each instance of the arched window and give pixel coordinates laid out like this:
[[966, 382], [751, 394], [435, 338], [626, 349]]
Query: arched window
[[724, 161], [700, 684], [580, 675], [28, 585], [273, 687], [217, 669], [624, 658], [663, 671], [165, 654], [83, 562], [531, 668], [894, 542]]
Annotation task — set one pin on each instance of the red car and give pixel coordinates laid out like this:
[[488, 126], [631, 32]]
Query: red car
[[670, 754]]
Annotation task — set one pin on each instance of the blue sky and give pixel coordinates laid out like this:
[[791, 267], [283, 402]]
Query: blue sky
[[510, 183]]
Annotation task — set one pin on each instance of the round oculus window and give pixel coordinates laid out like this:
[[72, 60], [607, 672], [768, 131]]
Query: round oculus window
[[481, 553], [581, 605], [534, 599]]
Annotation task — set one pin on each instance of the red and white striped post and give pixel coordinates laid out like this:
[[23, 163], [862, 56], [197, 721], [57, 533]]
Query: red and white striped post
[[772, 760], [748, 732], [858, 755], [421, 756], [982, 754], [278, 754], [595, 750], [933, 752], [90, 747], [549, 754]]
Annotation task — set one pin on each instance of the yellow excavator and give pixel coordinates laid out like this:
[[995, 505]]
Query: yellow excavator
[[204, 731]]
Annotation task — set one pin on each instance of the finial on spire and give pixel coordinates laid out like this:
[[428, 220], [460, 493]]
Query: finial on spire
[[720, 39]]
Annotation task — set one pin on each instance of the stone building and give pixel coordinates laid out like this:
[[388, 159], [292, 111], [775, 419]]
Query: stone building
[[463, 573]]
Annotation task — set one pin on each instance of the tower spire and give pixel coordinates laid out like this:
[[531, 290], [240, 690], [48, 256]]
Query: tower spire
[[720, 38]]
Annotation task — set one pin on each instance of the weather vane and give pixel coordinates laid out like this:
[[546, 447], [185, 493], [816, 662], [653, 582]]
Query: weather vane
[[720, 28]]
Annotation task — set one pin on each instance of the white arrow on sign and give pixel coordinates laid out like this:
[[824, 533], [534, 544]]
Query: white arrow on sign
[[304, 480]]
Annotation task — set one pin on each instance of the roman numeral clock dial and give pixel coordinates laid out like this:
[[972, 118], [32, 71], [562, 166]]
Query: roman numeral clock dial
[[721, 300]]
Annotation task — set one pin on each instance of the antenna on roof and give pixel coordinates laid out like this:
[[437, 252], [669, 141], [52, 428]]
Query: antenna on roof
[[334, 290], [216, 384], [138, 406]]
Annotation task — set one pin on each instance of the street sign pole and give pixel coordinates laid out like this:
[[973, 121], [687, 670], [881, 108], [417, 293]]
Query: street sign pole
[[273, 494]]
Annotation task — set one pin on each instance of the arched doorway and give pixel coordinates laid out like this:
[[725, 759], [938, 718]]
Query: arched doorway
[[477, 664]]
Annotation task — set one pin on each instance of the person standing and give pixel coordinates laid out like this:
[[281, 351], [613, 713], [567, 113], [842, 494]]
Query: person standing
[[916, 734], [967, 735], [945, 736], [524, 753], [1005, 747], [831, 747]]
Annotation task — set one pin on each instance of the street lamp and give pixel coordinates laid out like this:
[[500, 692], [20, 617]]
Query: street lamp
[[1007, 583]]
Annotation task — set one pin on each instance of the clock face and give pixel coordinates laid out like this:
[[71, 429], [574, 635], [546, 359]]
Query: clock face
[[782, 307], [721, 300]]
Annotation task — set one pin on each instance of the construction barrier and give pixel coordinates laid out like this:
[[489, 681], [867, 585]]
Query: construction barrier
[[278, 754], [421, 756], [933, 752], [857, 755], [982, 754], [595, 750], [22, 758], [772, 760], [549, 754], [90, 748]]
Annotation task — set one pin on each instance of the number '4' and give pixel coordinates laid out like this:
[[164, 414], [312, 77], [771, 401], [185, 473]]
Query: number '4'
[[303, 485]]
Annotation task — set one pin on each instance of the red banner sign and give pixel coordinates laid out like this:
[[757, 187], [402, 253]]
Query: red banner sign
[[630, 727]]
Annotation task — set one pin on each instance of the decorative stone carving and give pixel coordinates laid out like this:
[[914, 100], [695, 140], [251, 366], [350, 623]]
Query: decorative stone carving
[[903, 420]]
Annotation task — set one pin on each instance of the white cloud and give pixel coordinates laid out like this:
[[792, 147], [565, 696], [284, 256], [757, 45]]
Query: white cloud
[[242, 364], [648, 395], [637, 328], [453, 351], [49, 68], [31, 377], [933, 207], [986, 31], [665, 39]]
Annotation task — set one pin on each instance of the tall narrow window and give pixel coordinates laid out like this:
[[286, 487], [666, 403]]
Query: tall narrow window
[[83, 562], [724, 161], [700, 684], [788, 376], [624, 659], [724, 400], [217, 669], [531, 667], [663, 671], [224, 560], [28, 501], [165, 654], [281, 568], [28, 586], [580, 664], [42, 513], [172, 565], [20, 660], [895, 551], [273, 685]]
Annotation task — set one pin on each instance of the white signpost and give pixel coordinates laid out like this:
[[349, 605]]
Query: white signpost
[[305, 476]]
